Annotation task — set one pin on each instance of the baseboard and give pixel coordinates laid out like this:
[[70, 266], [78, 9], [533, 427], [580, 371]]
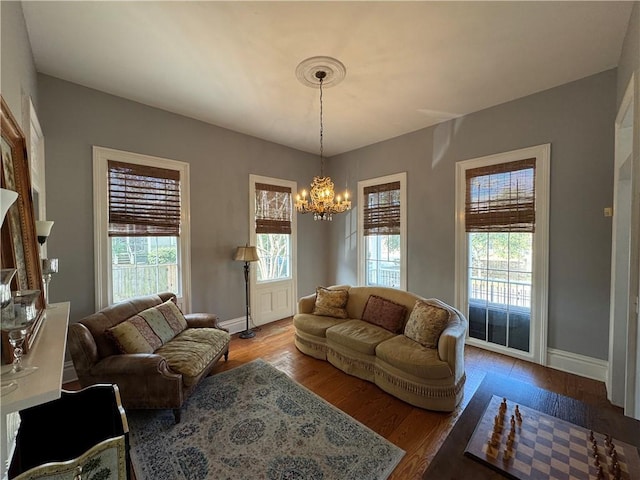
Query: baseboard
[[235, 325], [577, 364]]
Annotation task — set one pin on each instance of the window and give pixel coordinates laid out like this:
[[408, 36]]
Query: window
[[382, 227], [273, 231], [502, 205], [141, 234]]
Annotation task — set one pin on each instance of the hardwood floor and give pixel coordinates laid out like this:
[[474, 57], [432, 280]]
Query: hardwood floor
[[419, 432]]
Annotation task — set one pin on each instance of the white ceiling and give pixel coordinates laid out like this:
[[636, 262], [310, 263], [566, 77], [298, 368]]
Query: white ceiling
[[409, 64]]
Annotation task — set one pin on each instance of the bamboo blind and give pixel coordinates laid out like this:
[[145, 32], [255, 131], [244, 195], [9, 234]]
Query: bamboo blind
[[144, 201]]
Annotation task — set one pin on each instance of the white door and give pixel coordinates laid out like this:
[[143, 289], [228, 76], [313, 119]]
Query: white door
[[273, 277]]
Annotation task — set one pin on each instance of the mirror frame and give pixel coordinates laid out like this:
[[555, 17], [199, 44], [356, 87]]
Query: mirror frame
[[19, 247]]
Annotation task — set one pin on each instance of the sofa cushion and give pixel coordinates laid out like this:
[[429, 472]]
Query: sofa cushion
[[384, 313], [331, 303], [427, 321], [149, 329], [357, 335], [314, 324], [192, 350], [411, 357]]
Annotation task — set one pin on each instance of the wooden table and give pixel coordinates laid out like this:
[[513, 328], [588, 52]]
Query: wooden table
[[451, 463]]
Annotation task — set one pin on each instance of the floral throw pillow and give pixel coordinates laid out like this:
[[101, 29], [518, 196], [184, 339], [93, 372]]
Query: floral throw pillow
[[384, 313], [426, 322], [331, 303]]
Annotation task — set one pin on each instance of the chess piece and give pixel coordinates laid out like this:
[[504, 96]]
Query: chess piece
[[518, 414], [591, 437], [507, 455], [513, 421], [600, 473]]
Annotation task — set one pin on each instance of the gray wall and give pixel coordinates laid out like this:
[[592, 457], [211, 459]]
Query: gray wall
[[578, 120], [18, 78], [75, 118]]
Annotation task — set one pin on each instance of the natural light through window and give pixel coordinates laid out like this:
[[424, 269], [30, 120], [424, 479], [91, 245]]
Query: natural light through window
[[143, 266], [274, 251], [500, 280]]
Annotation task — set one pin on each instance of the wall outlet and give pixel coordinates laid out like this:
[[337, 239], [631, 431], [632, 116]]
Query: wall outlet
[[608, 212]]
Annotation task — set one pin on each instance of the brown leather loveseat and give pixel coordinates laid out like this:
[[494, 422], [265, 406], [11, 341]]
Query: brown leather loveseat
[[155, 355]]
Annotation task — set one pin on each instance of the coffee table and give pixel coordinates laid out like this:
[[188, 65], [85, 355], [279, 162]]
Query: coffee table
[[451, 463]]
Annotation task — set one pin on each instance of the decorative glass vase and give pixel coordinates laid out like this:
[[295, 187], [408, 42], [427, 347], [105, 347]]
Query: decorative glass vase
[[6, 305]]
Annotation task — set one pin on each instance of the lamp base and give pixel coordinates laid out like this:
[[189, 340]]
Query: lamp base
[[247, 334]]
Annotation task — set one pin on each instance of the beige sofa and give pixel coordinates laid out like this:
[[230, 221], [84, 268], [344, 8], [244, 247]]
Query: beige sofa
[[431, 378]]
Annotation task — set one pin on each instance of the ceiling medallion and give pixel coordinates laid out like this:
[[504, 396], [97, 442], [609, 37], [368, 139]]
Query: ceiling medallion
[[320, 72], [334, 71]]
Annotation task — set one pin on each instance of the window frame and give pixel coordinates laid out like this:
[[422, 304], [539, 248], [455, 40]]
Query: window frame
[[362, 261], [540, 263], [102, 242], [293, 268]]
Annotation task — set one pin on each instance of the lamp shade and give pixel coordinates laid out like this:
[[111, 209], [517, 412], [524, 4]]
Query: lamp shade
[[43, 228], [7, 197], [247, 254]]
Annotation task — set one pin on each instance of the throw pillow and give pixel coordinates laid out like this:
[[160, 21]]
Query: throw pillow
[[150, 329], [135, 336], [426, 322], [384, 313], [165, 319], [331, 303]]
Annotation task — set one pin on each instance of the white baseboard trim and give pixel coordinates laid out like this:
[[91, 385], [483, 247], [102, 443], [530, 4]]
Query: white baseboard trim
[[235, 325], [577, 364]]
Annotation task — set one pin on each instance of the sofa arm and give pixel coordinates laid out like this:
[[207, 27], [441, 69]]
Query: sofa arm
[[306, 304], [82, 347], [203, 320], [144, 380], [451, 348]]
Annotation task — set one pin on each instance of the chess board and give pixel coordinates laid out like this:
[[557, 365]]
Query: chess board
[[545, 447]]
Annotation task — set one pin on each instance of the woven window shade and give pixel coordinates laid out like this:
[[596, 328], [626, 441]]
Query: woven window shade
[[501, 198], [382, 209], [143, 201], [273, 209]]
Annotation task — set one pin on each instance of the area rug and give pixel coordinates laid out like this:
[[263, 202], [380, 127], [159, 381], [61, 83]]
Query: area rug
[[254, 422]]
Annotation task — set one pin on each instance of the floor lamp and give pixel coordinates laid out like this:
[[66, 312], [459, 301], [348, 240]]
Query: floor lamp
[[247, 254]]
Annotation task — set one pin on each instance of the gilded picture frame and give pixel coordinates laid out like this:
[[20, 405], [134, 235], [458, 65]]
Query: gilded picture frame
[[19, 248]]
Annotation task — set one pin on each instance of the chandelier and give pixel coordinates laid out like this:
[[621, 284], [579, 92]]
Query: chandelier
[[322, 200]]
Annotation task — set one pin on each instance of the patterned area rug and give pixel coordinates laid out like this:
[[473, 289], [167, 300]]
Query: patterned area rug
[[254, 422]]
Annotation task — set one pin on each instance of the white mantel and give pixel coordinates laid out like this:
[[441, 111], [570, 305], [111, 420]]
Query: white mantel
[[47, 353]]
